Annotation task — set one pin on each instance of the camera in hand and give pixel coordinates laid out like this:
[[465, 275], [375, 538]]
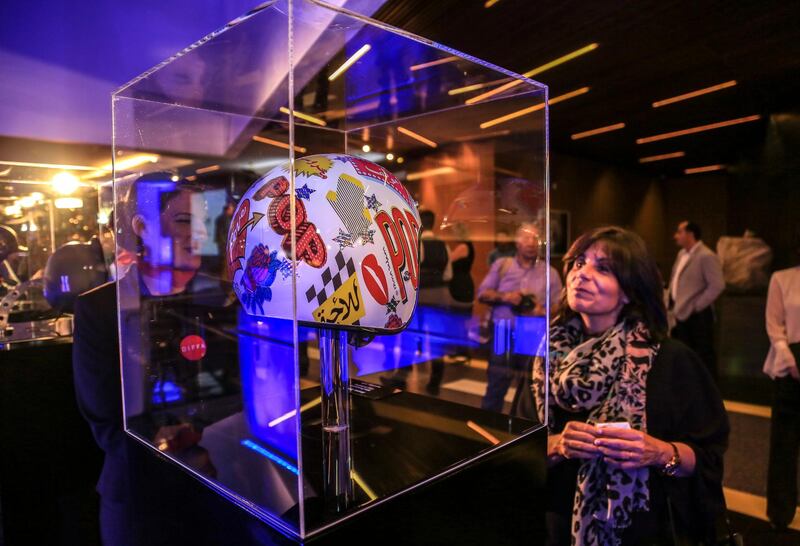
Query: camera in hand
[[526, 305]]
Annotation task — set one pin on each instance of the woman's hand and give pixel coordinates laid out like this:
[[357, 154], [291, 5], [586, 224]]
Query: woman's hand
[[576, 441], [629, 448]]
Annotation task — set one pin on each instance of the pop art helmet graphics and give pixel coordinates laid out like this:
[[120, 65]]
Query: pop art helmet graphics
[[357, 245]]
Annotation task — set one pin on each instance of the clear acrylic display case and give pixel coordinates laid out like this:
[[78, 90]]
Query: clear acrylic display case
[[244, 402]]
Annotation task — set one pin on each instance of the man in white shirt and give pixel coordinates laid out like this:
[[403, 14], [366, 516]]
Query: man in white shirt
[[783, 329], [696, 282], [515, 287]]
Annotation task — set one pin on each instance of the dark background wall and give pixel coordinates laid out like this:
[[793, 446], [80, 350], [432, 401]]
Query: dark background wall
[[760, 193], [597, 194]]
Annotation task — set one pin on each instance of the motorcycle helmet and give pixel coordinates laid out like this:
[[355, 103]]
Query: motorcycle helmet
[[356, 241], [73, 269]]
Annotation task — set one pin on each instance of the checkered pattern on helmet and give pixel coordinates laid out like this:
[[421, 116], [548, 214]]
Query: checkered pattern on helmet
[[328, 278]]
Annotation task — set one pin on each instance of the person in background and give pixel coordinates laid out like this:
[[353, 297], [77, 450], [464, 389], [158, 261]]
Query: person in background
[[222, 224], [783, 329], [504, 246], [462, 256], [435, 269], [139, 495], [696, 282], [637, 428], [462, 291], [435, 272], [514, 286]]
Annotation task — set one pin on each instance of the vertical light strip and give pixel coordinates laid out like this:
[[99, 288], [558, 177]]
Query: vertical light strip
[[534, 108], [349, 62], [534, 72], [694, 94]]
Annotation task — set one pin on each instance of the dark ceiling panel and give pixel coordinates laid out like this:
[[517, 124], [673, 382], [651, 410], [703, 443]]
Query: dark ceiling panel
[[649, 50]]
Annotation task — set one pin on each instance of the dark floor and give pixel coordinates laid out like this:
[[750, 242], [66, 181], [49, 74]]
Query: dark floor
[[745, 461], [747, 456], [758, 533]]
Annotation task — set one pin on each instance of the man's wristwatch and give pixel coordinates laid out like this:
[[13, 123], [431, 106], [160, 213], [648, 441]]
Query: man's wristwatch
[[672, 466]]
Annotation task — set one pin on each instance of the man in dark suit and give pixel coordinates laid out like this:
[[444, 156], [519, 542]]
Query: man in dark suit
[[696, 282], [143, 499]]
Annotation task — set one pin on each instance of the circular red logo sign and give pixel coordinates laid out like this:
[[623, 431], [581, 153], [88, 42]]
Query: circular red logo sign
[[375, 279], [193, 347]]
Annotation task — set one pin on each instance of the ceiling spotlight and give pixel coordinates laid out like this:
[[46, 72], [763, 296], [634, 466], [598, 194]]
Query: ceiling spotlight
[[26, 202], [65, 183], [389, 156], [174, 177], [365, 148], [12, 210], [400, 159], [68, 203]]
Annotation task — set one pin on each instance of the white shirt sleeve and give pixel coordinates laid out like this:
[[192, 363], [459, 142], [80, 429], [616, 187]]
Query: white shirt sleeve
[[780, 359]]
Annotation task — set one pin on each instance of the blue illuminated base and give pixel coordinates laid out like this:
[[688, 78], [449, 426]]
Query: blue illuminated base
[[498, 499]]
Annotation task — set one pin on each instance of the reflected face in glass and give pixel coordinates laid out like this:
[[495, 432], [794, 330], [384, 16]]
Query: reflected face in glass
[[528, 241], [183, 223], [592, 287]]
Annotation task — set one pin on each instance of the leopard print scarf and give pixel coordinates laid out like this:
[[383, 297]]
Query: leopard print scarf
[[605, 375]]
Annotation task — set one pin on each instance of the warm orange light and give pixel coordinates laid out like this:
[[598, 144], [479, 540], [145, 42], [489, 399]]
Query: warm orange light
[[430, 172], [699, 129], [651, 158], [694, 94], [48, 166], [598, 131], [483, 432], [278, 144], [349, 62], [490, 3], [306, 117], [475, 86], [416, 136], [437, 62], [534, 108], [707, 169], [209, 169], [533, 72]]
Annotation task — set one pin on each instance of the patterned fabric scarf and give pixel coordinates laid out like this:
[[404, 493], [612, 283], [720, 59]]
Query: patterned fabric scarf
[[606, 376]]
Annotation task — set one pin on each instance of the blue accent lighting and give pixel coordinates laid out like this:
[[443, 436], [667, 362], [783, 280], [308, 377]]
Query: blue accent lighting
[[250, 444]]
